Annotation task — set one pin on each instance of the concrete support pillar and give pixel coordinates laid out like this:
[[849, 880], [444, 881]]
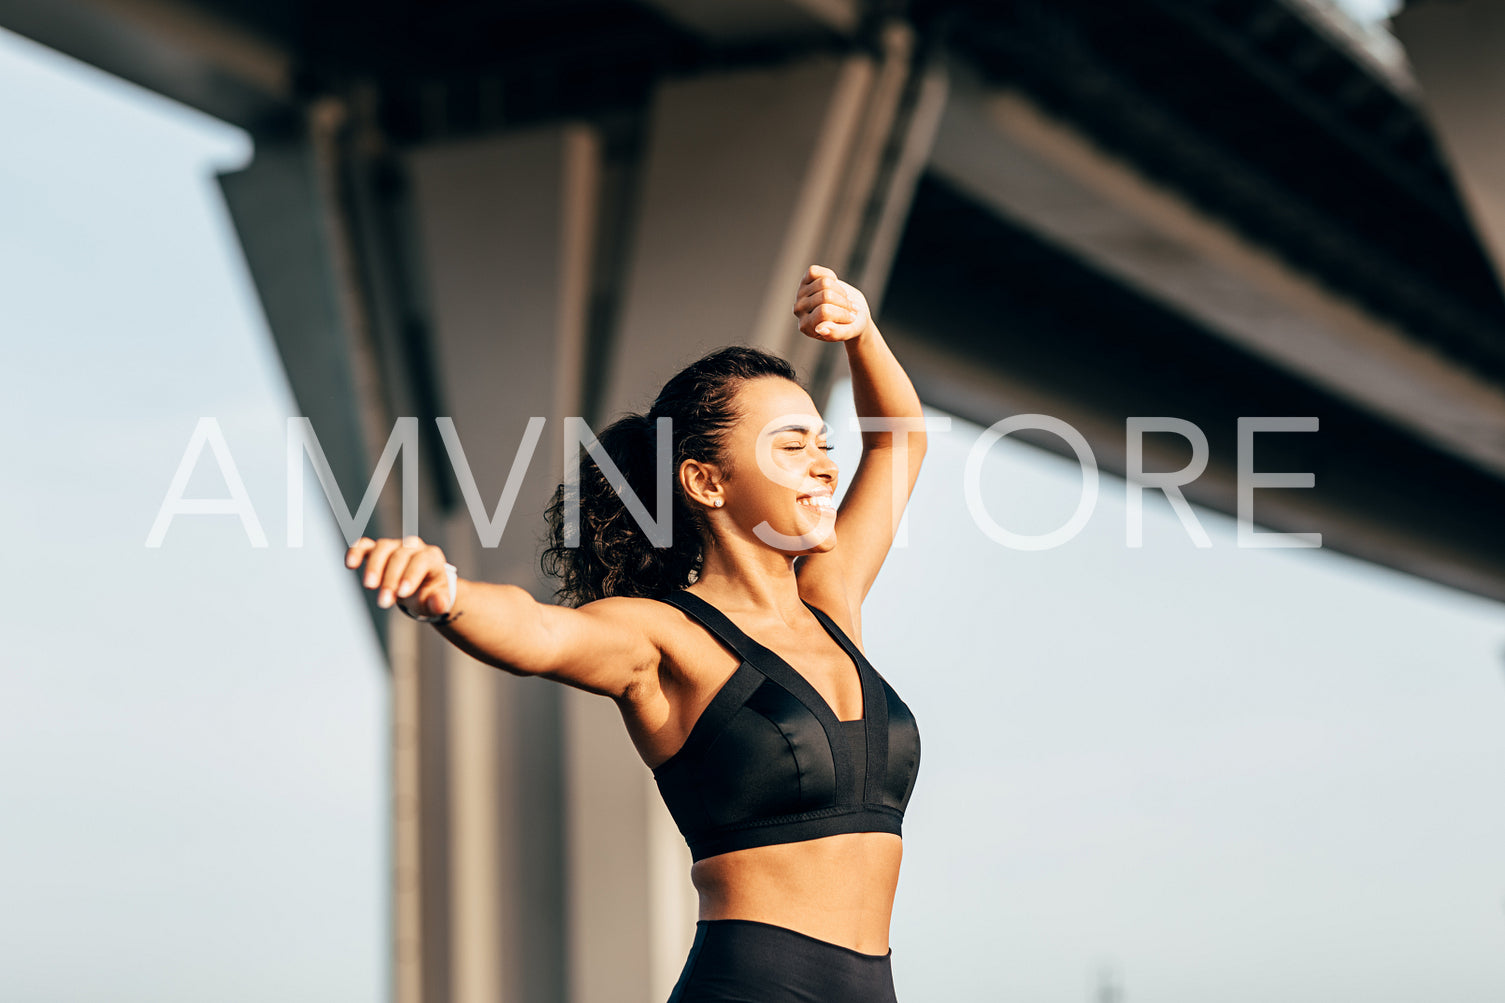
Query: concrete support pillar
[[504, 228], [747, 178], [750, 177]]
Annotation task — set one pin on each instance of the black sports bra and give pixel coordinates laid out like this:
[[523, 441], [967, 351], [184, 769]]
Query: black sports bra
[[768, 762]]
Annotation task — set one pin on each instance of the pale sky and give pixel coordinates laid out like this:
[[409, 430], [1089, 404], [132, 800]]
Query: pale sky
[[1223, 774], [1369, 11]]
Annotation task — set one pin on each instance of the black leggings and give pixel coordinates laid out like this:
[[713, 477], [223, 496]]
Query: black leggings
[[745, 961]]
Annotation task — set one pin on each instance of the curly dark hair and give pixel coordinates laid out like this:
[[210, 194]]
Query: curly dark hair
[[615, 557]]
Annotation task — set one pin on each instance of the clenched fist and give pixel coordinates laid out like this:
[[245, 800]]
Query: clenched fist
[[828, 308], [403, 568]]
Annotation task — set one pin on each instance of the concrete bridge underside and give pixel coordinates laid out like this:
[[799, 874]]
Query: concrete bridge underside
[[497, 211]]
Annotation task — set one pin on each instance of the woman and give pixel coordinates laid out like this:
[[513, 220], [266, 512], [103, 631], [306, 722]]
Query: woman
[[731, 653]]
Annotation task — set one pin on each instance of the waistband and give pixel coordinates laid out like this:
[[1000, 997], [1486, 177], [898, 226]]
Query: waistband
[[786, 932]]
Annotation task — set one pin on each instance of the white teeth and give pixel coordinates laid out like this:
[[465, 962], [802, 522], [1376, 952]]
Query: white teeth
[[819, 501]]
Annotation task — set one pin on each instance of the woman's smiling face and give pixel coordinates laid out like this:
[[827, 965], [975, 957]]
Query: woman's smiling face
[[782, 484]]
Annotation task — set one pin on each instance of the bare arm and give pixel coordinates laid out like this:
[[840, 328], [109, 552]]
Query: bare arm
[[603, 647], [831, 310], [600, 647]]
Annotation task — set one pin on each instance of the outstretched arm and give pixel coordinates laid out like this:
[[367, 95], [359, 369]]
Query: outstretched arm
[[602, 647], [832, 310]]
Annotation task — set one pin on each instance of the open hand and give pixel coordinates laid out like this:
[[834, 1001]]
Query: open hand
[[403, 568], [828, 308]]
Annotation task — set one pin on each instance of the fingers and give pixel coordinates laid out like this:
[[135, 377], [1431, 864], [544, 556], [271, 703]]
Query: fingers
[[358, 551], [828, 299], [828, 331], [392, 575], [376, 561], [835, 292], [811, 283], [414, 567], [822, 309], [824, 303], [397, 567], [819, 326], [831, 307], [424, 567], [376, 568]]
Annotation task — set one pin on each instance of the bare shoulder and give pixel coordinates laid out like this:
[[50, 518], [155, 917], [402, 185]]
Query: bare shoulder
[[667, 640], [649, 623], [678, 637], [626, 611], [612, 646]]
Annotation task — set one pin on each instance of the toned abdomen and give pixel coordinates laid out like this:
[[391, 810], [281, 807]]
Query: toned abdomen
[[837, 888]]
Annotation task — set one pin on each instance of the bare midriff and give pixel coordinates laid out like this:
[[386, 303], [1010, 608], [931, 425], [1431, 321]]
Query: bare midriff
[[839, 889]]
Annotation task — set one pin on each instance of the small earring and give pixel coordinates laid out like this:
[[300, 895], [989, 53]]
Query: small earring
[[717, 503]]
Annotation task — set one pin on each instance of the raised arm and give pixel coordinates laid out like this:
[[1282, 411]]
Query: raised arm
[[602, 647], [831, 310]]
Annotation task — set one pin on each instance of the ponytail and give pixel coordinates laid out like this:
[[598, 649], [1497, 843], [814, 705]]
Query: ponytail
[[613, 556]]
